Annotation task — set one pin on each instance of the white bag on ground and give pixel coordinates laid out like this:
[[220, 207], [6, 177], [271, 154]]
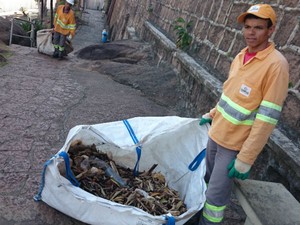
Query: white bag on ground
[[171, 142], [44, 41]]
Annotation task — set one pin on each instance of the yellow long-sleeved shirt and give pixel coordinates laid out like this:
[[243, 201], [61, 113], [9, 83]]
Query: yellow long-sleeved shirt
[[64, 23], [251, 102]]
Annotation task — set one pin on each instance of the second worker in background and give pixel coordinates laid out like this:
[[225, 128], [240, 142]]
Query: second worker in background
[[64, 27]]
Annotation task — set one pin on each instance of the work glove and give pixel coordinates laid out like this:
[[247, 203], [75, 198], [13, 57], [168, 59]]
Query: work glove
[[205, 119], [69, 38], [238, 169]]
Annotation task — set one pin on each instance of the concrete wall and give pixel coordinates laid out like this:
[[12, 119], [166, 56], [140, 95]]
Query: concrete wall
[[217, 38], [15, 5], [32, 8]]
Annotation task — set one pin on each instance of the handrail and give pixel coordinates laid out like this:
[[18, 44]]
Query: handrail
[[31, 37]]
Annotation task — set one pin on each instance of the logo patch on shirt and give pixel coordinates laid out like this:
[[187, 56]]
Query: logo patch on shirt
[[245, 90]]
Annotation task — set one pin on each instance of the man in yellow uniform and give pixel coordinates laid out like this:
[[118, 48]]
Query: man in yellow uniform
[[247, 111], [64, 27]]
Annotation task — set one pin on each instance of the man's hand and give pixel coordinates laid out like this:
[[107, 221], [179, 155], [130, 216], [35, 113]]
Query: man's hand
[[69, 38], [205, 119], [238, 169]]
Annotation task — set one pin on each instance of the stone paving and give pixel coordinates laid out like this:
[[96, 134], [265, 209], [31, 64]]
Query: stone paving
[[41, 100]]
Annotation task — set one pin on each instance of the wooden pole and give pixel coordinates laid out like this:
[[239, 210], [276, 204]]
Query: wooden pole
[[51, 13]]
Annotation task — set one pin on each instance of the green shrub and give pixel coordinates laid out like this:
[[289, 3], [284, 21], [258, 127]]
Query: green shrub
[[184, 39], [26, 26]]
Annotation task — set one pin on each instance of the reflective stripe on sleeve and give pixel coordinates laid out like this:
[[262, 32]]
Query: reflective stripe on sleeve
[[235, 113], [269, 112], [71, 26], [64, 26], [213, 213]]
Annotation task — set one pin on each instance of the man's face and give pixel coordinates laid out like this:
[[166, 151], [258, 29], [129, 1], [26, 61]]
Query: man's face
[[67, 6], [256, 34]]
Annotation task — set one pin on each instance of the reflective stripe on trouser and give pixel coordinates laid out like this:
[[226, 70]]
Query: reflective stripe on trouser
[[59, 41], [213, 213], [59, 48], [219, 184]]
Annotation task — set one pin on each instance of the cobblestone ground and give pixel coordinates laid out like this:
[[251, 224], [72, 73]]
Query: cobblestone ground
[[41, 99]]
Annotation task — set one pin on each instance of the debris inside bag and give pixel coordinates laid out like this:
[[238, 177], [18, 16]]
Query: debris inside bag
[[101, 176]]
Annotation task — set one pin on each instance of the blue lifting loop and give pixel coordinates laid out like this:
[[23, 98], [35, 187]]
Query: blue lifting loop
[[197, 161], [170, 220], [138, 149], [69, 174], [38, 196]]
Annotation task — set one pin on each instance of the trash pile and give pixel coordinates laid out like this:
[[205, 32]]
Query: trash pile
[[101, 176]]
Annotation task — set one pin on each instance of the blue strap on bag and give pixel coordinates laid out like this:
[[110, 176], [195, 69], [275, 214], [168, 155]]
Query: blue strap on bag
[[197, 161], [38, 196], [69, 174], [138, 149], [170, 220]]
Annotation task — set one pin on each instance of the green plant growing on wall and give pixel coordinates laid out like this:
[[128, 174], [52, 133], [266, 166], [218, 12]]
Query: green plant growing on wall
[[184, 39], [150, 8]]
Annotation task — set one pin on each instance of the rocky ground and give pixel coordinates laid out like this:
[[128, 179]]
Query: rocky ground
[[131, 63]]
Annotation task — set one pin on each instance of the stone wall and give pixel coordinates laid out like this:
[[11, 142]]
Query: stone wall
[[217, 38]]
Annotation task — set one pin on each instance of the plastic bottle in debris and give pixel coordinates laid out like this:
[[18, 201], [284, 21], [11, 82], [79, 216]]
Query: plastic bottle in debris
[[104, 36], [113, 175], [109, 171]]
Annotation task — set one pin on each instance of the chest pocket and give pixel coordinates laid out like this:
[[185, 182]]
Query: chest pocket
[[248, 95]]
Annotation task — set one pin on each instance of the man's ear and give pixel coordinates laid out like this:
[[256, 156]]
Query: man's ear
[[271, 30]]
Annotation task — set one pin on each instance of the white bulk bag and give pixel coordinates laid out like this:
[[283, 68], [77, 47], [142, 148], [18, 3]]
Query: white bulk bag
[[44, 41], [176, 144]]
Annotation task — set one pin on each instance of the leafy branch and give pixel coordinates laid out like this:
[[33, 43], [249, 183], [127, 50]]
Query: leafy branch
[[184, 39]]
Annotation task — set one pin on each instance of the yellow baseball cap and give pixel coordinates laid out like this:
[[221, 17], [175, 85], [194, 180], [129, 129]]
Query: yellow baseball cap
[[263, 11]]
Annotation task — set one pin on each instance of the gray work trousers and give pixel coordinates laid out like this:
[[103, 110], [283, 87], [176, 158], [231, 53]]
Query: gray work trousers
[[59, 39], [219, 184]]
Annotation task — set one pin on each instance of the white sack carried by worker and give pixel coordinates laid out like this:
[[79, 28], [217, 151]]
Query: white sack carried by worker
[[44, 41], [176, 144], [45, 45]]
